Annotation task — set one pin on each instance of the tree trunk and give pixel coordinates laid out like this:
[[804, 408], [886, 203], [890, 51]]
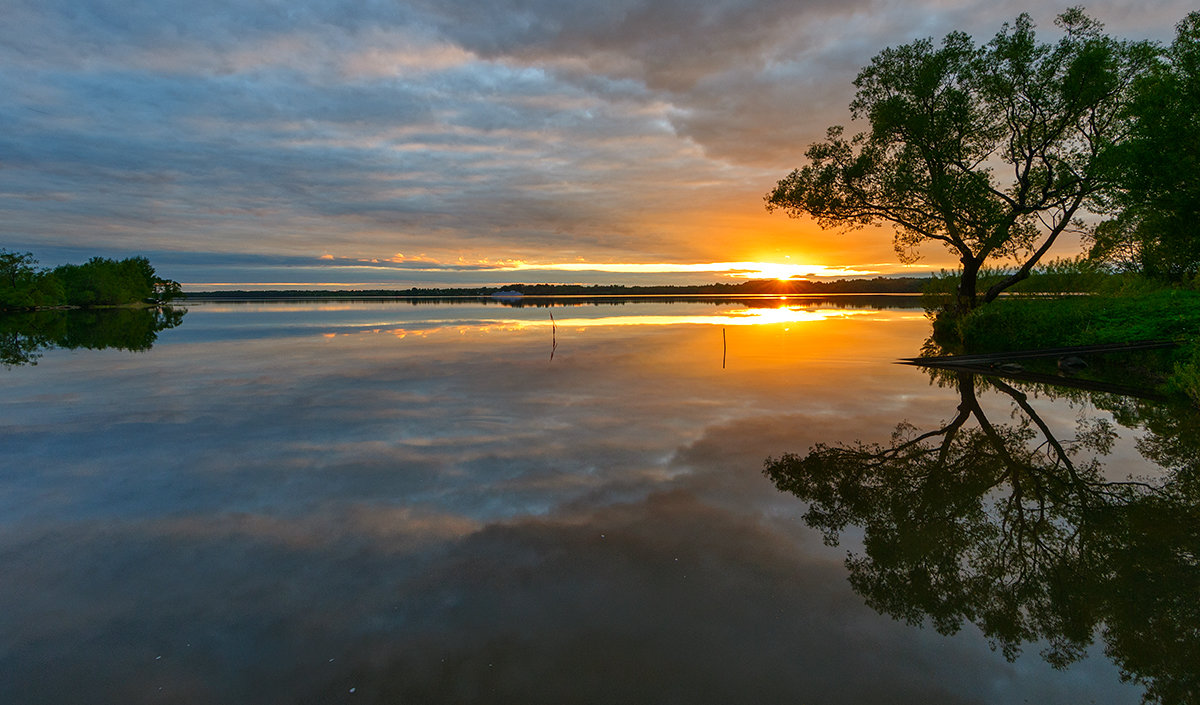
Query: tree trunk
[[966, 285], [999, 288]]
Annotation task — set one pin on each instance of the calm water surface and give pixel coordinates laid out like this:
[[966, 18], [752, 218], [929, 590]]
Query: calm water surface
[[389, 502]]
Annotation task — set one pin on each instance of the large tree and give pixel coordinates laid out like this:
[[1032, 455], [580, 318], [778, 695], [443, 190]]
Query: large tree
[[994, 151], [22, 285], [16, 267]]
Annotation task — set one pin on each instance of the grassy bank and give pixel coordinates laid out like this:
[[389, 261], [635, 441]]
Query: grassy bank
[[1029, 322]]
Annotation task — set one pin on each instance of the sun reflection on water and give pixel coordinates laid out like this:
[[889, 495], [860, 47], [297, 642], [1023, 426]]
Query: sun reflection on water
[[781, 316]]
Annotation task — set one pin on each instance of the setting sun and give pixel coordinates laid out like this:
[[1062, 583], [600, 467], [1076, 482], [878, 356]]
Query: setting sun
[[784, 272], [737, 270]]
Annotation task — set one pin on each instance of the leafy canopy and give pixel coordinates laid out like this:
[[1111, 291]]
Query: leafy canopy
[[1157, 231], [97, 282], [993, 151]]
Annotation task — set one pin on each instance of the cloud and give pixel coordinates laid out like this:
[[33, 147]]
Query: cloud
[[626, 131]]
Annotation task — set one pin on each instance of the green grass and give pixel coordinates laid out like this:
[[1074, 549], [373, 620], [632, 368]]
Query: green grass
[[1027, 323]]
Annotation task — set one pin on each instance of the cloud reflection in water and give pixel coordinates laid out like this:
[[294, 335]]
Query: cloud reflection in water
[[456, 518]]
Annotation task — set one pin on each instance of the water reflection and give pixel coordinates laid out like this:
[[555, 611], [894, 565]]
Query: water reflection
[[261, 509], [558, 322], [1016, 528], [739, 317], [843, 301], [25, 335]]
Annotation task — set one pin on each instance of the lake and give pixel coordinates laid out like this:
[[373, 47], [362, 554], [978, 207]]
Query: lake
[[607, 501]]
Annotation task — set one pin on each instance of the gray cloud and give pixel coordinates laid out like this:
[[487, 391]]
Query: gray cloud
[[521, 128]]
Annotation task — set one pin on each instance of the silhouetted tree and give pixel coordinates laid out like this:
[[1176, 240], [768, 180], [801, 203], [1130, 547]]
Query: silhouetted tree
[[992, 151], [16, 267]]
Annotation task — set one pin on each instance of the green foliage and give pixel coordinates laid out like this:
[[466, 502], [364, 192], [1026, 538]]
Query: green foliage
[[1029, 323], [98, 282], [24, 286], [1157, 231], [1186, 377], [941, 117], [1075, 275], [167, 289], [103, 281], [16, 267]]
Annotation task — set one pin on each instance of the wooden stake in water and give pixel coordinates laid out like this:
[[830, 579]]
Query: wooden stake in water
[[553, 336], [723, 347]]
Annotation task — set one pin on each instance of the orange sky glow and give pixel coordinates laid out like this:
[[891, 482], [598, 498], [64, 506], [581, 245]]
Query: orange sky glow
[[240, 147]]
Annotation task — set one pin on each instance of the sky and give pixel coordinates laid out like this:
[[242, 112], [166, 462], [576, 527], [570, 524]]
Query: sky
[[317, 143]]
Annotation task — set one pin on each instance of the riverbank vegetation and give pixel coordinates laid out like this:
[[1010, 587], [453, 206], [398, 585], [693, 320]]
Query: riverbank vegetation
[[97, 282], [999, 151], [1080, 304]]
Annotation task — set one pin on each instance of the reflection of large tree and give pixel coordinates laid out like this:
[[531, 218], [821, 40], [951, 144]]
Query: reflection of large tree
[[1009, 527]]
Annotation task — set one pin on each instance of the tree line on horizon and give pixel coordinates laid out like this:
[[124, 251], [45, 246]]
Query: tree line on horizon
[[782, 287], [98, 282], [996, 151]]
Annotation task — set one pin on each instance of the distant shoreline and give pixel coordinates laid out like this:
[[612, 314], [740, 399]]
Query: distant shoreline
[[771, 287], [244, 296]]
